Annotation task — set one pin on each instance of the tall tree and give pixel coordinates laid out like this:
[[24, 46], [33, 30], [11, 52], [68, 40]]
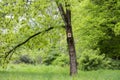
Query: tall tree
[[33, 16], [66, 16]]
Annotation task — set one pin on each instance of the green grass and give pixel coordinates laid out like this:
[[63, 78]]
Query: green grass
[[42, 72]]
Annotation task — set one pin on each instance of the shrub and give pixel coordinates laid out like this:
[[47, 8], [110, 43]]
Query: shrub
[[25, 59], [91, 60], [115, 64], [62, 60], [50, 58]]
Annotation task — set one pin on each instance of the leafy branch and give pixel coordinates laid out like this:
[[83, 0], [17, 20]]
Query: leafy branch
[[10, 52]]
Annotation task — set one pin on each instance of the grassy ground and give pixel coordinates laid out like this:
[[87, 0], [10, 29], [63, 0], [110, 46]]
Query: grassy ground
[[41, 72]]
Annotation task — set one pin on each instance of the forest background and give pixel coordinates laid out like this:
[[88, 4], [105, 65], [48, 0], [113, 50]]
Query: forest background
[[96, 29]]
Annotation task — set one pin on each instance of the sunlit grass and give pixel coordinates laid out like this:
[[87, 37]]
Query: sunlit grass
[[42, 72]]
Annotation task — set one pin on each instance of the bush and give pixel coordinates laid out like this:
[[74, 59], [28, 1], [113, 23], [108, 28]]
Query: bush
[[25, 59], [50, 58], [91, 60], [62, 60], [115, 64]]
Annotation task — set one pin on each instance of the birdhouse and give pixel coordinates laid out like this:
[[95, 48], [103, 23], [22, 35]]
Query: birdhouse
[[69, 35]]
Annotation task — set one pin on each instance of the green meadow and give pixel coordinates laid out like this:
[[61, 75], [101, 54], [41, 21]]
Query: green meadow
[[42, 72]]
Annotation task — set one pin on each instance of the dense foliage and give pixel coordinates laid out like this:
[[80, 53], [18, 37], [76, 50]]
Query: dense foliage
[[96, 27]]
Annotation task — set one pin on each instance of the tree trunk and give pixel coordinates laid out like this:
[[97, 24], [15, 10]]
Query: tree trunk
[[66, 16], [72, 52]]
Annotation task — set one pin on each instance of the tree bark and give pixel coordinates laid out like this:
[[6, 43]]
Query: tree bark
[[70, 39], [72, 51]]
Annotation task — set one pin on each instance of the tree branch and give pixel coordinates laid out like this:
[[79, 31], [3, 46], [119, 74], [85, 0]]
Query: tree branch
[[62, 12], [20, 44]]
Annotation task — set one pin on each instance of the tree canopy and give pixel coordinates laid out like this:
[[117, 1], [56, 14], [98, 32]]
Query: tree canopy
[[96, 29]]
